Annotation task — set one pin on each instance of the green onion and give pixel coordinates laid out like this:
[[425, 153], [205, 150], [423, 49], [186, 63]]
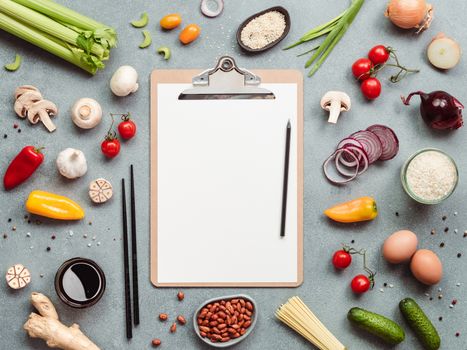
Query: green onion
[[335, 30], [65, 33]]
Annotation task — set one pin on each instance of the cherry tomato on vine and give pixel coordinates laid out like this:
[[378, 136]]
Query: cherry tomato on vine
[[341, 259], [127, 128], [379, 54], [110, 147], [371, 88], [361, 69], [360, 284]]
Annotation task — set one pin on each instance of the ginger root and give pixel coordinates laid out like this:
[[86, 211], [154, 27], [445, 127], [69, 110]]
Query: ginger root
[[48, 327]]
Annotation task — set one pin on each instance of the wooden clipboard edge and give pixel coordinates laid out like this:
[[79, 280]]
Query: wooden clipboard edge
[[184, 76]]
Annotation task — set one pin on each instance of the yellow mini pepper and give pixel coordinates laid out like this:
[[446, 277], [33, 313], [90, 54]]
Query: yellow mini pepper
[[360, 209], [53, 206]]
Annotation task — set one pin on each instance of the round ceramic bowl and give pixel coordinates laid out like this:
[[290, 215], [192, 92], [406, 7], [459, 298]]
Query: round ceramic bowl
[[406, 186], [270, 45], [233, 341]]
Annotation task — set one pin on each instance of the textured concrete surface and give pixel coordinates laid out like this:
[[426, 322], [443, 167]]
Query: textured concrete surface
[[324, 290]]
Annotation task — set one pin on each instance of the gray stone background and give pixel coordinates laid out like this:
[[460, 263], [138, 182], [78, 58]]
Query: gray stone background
[[324, 290]]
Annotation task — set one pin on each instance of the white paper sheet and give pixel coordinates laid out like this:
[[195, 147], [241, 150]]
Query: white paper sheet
[[220, 173]]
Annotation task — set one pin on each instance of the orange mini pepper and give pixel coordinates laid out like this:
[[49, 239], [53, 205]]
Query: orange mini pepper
[[53, 206], [360, 209], [171, 21], [190, 33]]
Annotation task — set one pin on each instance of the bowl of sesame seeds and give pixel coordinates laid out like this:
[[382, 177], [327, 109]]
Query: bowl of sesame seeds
[[263, 30], [429, 176]]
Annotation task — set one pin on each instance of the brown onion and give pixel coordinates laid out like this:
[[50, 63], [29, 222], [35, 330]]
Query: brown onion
[[409, 14]]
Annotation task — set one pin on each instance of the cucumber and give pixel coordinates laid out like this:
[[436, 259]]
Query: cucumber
[[420, 324], [378, 325]]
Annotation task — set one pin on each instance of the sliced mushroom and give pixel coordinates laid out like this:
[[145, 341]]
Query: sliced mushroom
[[43, 110], [23, 89], [335, 102], [18, 276], [24, 102]]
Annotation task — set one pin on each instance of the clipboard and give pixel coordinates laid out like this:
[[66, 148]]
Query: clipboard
[[210, 229]]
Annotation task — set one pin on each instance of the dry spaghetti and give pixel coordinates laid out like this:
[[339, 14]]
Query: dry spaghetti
[[295, 314]]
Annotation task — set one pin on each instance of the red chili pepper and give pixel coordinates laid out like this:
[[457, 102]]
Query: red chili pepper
[[23, 166]]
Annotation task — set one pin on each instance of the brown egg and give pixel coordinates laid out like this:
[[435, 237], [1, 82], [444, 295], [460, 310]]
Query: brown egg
[[426, 267], [400, 246]]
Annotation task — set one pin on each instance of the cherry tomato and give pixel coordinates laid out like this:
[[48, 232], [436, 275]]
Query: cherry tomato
[[361, 69], [341, 259], [360, 284], [127, 128], [190, 33], [171, 21], [379, 54], [371, 88], [110, 147]]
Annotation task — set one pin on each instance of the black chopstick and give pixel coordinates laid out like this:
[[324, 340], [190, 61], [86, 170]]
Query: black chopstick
[[129, 329], [134, 253], [286, 178]]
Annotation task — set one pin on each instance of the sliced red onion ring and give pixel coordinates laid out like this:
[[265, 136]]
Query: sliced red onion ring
[[359, 153], [347, 160], [371, 144], [331, 157], [388, 139], [212, 8]]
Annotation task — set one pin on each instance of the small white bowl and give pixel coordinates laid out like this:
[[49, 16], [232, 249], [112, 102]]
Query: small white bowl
[[233, 341]]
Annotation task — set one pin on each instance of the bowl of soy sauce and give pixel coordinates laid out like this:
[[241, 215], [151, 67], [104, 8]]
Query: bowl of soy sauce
[[80, 283]]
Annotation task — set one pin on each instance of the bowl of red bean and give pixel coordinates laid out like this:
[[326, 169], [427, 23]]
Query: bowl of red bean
[[225, 321]]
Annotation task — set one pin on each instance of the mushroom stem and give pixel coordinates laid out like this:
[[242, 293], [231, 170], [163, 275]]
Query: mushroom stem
[[334, 111], [45, 119], [85, 111]]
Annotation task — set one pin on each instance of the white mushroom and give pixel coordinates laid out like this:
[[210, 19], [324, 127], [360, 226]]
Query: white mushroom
[[18, 276], [24, 88], [124, 81], [86, 113], [43, 110], [25, 100], [71, 163], [335, 102]]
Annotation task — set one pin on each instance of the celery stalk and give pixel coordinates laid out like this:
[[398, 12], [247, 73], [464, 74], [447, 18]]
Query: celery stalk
[[37, 38], [47, 25], [102, 33]]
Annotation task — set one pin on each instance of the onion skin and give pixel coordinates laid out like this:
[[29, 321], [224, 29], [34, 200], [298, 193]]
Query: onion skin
[[408, 14], [439, 109]]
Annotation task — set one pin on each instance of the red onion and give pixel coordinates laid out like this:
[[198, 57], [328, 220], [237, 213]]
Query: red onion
[[371, 144], [439, 109], [388, 140], [331, 157], [359, 150]]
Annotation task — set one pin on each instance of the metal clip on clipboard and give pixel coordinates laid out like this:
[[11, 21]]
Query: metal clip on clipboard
[[226, 82]]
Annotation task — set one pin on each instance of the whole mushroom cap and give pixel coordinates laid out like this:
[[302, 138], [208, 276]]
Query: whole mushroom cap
[[86, 113]]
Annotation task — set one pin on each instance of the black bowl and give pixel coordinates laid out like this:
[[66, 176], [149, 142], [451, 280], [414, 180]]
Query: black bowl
[[274, 43]]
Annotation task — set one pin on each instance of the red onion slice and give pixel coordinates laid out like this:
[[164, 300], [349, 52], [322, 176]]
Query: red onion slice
[[359, 153], [388, 139], [331, 157], [371, 144], [208, 10], [346, 159]]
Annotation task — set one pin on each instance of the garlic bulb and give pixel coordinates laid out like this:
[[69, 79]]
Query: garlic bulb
[[71, 163]]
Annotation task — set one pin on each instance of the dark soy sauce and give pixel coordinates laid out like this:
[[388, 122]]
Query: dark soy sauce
[[80, 282]]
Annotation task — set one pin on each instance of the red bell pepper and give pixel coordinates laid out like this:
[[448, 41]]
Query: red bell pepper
[[23, 166]]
